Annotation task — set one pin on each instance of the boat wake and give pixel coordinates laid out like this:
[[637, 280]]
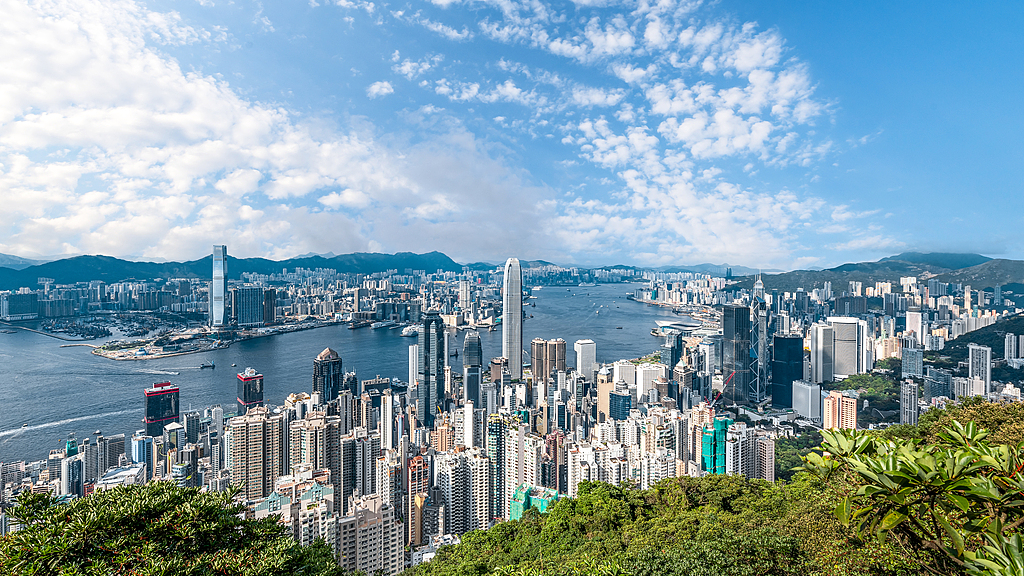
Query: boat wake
[[18, 431]]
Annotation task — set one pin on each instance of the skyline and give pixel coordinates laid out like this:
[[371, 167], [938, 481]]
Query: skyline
[[569, 131]]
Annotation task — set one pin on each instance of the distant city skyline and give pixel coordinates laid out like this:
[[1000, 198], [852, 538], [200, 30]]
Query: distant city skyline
[[784, 136]]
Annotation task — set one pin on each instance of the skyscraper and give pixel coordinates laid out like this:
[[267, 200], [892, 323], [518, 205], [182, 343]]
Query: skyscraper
[[757, 390], [546, 358], [247, 306], [257, 451], [736, 351], [161, 407], [472, 365], [908, 402], [586, 358], [250, 391], [787, 367], [512, 318], [219, 285], [430, 368], [980, 364], [822, 351], [851, 353], [328, 376]]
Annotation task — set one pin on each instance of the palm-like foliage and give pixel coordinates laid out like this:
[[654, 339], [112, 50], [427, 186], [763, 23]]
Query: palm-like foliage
[[960, 499]]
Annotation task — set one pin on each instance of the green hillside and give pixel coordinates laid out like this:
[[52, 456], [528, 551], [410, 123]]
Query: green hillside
[[714, 526], [109, 269], [992, 336]]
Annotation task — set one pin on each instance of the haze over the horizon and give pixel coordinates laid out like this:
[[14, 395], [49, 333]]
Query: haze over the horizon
[[593, 132]]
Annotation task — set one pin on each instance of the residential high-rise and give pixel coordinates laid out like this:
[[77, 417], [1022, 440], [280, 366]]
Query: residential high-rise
[[250, 391], [787, 367], [736, 351], [979, 364], [161, 407], [315, 441], [257, 451], [908, 402], [913, 362], [463, 479], [822, 351], [838, 411], [472, 367], [218, 288], [586, 358], [430, 368], [1010, 347], [512, 318], [328, 375], [370, 538]]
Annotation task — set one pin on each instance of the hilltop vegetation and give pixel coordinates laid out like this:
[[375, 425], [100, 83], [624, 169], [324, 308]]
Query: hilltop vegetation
[[150, 530], [713, 526], [732, 526]]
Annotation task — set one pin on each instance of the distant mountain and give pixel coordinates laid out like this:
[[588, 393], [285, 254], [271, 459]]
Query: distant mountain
[[718, 269], [109, 269], [941, 259], [17, 262], [956, 268]]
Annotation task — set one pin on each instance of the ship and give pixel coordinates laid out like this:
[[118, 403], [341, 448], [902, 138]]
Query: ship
[[209, 364], [587, 284], [360, 324], [384, 324], [410, 331]]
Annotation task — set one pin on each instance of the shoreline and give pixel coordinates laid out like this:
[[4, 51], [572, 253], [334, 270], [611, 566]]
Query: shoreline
[[227, 344]]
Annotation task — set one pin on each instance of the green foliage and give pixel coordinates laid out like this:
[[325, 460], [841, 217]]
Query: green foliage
[[958, 499], [713, 526], [155, 529], [790, 452]]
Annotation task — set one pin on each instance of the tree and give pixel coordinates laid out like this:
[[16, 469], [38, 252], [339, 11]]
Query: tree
[[157, 528], [960, 499]]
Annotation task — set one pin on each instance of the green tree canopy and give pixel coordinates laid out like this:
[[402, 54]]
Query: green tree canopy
[[154, 529]]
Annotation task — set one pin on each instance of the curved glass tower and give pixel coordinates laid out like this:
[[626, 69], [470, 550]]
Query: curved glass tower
[[512, 318]]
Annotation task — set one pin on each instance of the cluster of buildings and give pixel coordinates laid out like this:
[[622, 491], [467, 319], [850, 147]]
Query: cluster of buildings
[[386, 471]]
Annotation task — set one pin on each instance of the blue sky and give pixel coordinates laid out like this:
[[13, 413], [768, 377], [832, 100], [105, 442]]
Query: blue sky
[[758, 133]]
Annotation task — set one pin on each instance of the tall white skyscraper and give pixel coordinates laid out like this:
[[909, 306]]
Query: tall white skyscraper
[[219, 285], [414, 359], [822, 351], [586, 357], [512, 318], [980, 364]]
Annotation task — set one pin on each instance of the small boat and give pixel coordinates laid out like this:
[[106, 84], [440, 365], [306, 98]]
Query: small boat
[[207, 365], [233, 365], [97, 433], [618, 327], [24, 425]]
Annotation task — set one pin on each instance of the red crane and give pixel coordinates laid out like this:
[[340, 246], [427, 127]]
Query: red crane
[[724, 385]]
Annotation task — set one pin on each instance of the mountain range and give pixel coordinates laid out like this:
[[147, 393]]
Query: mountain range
[[974, 269], [109, 269], [980, 272]]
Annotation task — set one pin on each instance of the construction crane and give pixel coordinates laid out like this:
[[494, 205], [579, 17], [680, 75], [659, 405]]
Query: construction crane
[[724, 386]]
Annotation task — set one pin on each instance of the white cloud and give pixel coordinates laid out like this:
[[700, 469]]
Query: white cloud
[[381, 88]]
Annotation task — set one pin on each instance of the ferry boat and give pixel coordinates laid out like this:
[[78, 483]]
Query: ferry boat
[[383, 324], [410, 331], [587, 284], [362, 324]]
